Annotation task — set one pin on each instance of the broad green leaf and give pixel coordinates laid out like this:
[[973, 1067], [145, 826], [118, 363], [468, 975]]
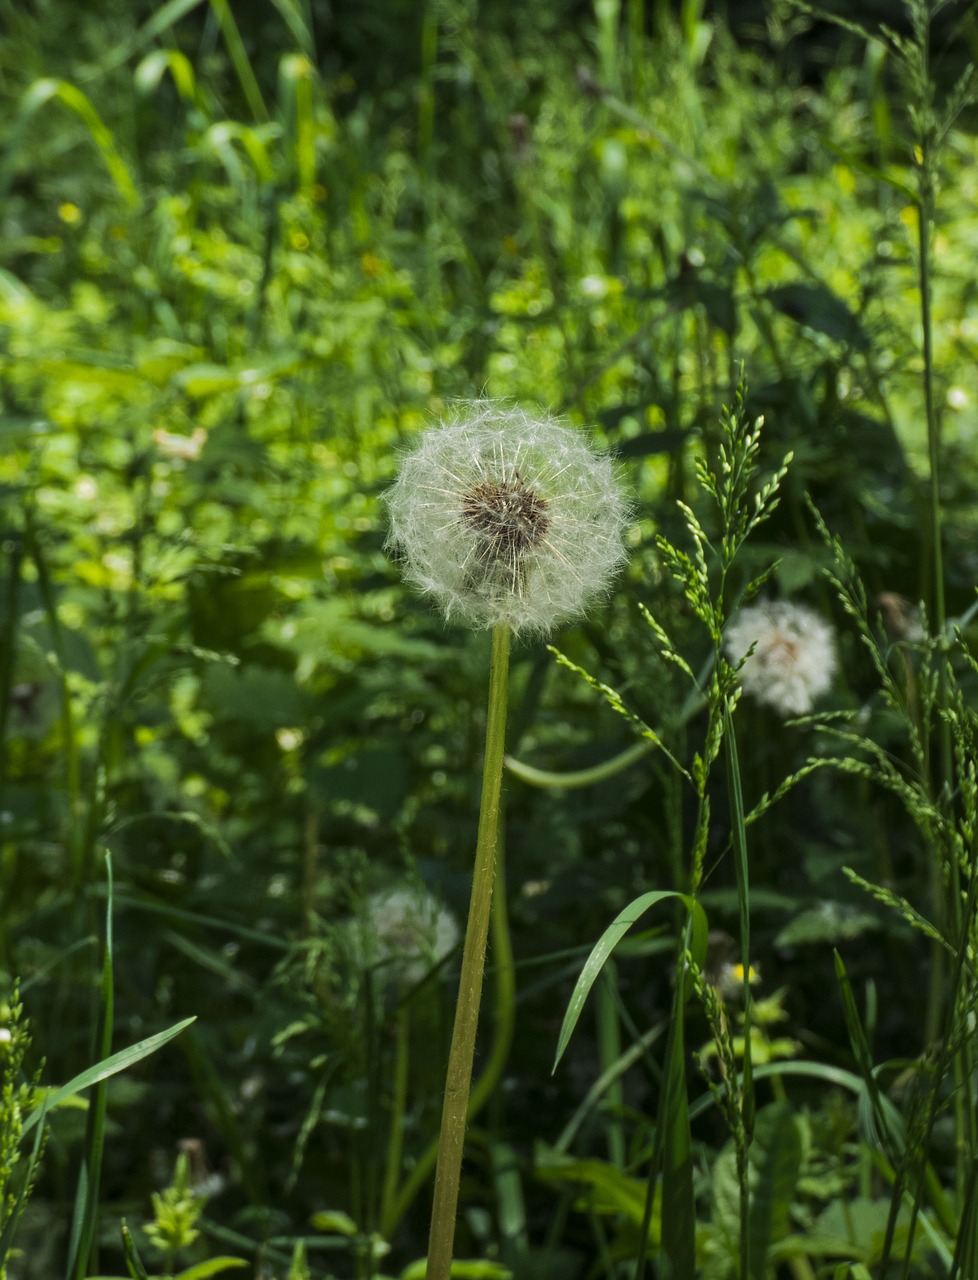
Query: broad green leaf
[[605, 1189], [828, 922], [818, 308]]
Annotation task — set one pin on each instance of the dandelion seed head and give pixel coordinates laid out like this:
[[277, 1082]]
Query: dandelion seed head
[[794, 659], [405, 932], [507, 518]]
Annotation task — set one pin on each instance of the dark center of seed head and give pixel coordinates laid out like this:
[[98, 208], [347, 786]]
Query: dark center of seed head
[[508, 517]]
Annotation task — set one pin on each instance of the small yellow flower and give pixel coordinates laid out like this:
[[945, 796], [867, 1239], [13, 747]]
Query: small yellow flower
[[69, 213]]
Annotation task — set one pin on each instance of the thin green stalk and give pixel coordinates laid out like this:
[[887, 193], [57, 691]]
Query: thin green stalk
[[580, 777], [395, 1142], [239, 60], [925, 217], [133, 1261], [72, 761], [8, 647], [504, 973], [609, 1052], [738, 835], [86, 1200], [947, 905], [462, 1053], [739, 839]]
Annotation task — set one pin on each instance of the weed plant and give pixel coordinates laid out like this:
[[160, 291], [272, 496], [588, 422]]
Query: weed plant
[[248, 253]]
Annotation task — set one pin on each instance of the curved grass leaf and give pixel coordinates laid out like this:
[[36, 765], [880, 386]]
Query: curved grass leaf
[[102, 1070], [212, 1267], [150, 72], [70, 96], [611, 938]]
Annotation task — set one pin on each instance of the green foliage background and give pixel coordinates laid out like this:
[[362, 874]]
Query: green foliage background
[[247, 252]]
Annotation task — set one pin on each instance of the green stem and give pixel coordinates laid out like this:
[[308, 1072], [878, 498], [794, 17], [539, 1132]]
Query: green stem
[[395, 1141], [73, 842], [579, 777], [8, 648], [925, 218], [504, 972], [742, 1135], [85, 1219], [609, 1051], [426, 90], [458, 1078]]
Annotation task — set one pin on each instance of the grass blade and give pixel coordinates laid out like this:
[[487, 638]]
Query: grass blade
[[134, 1263], [239, 60], [738, 828], [610, 939], [106, 1068], [71, 97]]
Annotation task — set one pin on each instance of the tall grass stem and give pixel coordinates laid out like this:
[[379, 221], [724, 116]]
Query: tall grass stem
[[83, 1234]]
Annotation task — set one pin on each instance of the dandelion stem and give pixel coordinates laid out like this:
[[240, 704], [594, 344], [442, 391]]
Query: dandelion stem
[[458, 1077]]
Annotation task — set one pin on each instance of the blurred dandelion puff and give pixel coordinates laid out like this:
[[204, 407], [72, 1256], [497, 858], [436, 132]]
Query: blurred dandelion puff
[[507, 518], [405, 933], [794, 657]]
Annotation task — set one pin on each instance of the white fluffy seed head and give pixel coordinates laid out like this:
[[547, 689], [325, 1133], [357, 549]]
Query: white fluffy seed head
[[794, 659], [404, 932], [507, 518]]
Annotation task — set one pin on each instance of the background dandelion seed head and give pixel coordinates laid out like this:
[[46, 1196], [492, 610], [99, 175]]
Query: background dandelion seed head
[[794, 659]]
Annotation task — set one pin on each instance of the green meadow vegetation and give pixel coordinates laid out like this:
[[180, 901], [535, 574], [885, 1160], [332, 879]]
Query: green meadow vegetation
[[252, 255]]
